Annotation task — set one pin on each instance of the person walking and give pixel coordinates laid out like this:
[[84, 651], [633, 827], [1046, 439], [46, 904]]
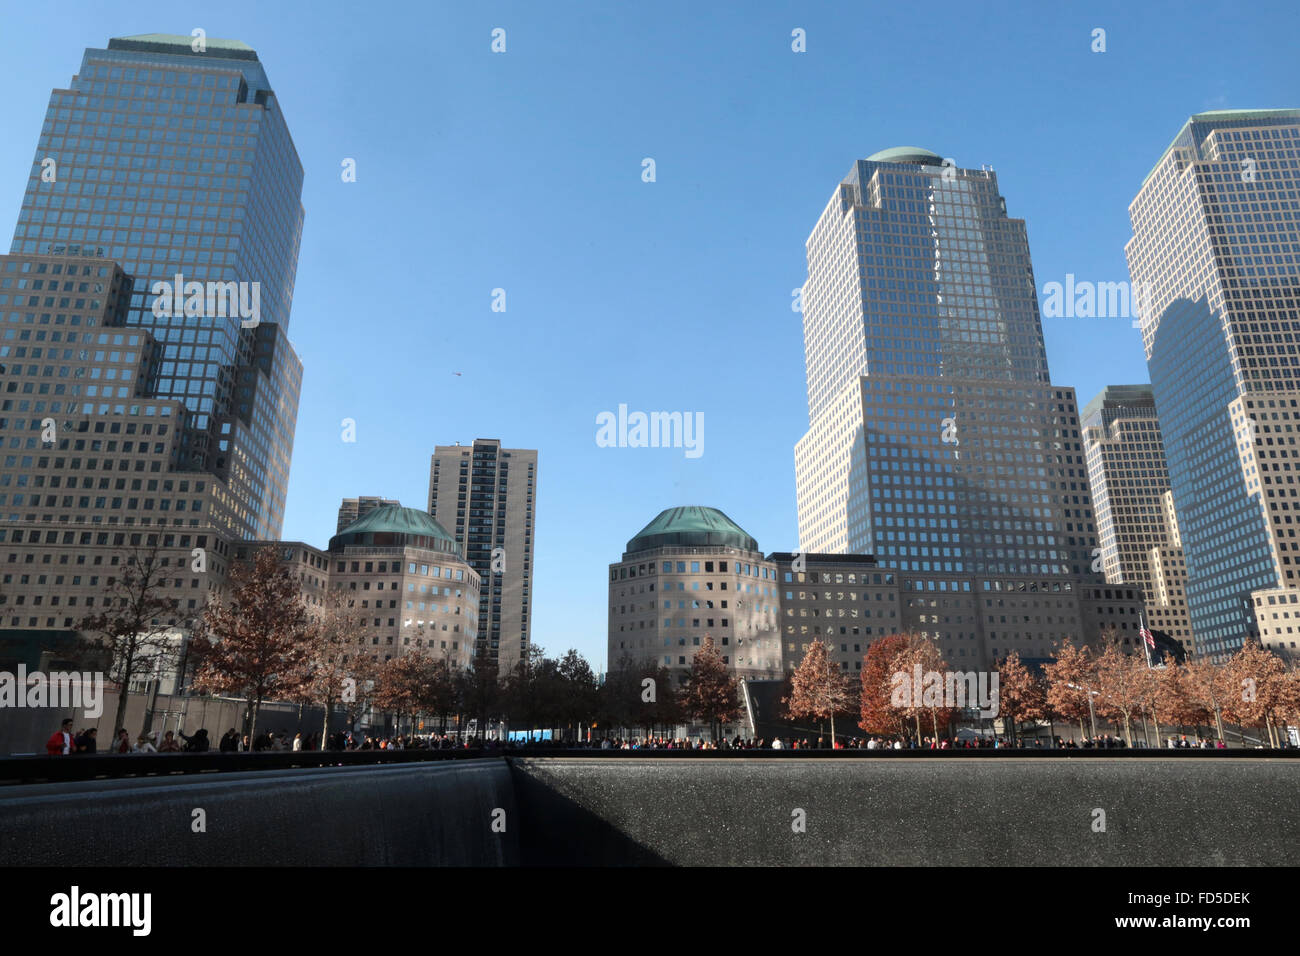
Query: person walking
[[169, 745], [229, 742], [86, 741], [61, 742], [122, 743], [143, 745]]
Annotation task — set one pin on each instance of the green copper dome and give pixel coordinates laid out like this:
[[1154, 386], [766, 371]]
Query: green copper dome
[[692, 526], [906, 154], [395, 526]]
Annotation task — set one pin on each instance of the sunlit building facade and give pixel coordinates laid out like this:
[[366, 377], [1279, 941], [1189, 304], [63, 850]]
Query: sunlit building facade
[[937, 441], [1136, 523], [1216, 251]]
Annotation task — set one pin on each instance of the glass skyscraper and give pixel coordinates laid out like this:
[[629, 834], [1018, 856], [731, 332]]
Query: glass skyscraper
[[1216, 251], [937, 441], [172, 158]]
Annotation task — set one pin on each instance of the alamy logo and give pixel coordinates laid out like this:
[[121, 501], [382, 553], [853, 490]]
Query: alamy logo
[[63, 690], [1095, 300], [959, 689], [75, 908], [653, 430], [211, 300]]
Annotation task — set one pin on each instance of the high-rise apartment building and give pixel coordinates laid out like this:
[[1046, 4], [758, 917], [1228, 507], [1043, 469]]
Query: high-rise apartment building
[[937, 441], [1136, 524], [1216, 255], [485, 496], [132, 417]]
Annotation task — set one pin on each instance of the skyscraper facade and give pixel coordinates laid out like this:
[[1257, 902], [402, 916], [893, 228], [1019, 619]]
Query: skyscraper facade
[[171, 157], [937, 441], [485, 496], [135, 413], [1137, 526], [1216, 253]]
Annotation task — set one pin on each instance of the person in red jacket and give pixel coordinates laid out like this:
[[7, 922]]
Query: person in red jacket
[[61, 741]]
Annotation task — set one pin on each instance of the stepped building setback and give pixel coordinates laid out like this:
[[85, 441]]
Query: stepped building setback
[[937, 441]]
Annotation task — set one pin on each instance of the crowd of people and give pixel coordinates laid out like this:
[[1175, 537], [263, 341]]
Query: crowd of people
[[67, 742]]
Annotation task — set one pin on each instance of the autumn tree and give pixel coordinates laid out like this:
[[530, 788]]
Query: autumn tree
[[253, 641], [331, 668], [399, 686], [1156, 687], [133, 627], [360, 690], [1120, 686], [712, 693], [879, 664], [1070, 679], [819, 690], [1020, 696], [924, 657], [1289, 701], [1260, 678], [437, 697]]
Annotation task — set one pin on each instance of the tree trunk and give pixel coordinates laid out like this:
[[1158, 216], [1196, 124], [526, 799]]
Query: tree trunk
[[325, 727], [252, 726], [120, 720]]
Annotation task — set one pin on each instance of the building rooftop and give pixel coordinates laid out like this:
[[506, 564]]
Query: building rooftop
[[183, 45], [906, 154], [389, 525], [692, 526], [1219, 118]]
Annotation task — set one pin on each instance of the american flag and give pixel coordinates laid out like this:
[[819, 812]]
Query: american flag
[[1146, 636]]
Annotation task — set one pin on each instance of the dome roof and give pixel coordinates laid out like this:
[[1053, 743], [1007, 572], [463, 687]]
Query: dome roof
[[692, 526], [393, 525], [906, 154]]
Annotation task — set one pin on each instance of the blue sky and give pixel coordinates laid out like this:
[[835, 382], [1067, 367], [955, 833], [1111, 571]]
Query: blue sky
[[522, 171]]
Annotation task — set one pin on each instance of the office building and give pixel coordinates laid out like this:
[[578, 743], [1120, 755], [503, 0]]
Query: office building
[[844, 600], [937, 441], [692, 572], [1137, 528], [148, 414], [414, 589], [1216, 254]]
